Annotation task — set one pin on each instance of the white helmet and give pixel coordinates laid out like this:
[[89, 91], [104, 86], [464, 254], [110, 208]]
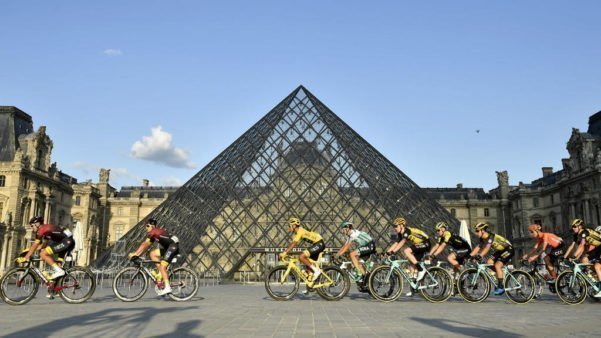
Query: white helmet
[[598, 229]]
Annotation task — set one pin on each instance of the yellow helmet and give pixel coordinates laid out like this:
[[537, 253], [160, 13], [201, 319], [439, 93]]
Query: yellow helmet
[[399, 221], [294, 222], [577, 222], [440, 225], [481, 226]]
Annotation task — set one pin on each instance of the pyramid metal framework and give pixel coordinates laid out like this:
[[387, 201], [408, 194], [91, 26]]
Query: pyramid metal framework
[[299, 160]]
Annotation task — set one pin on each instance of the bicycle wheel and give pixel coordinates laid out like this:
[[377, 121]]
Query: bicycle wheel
[[539, 284], [519, 286], [282, 284], [385, 285], [78, 285], [19, 286], [441, 285], [474, 287], [341, 283], [571, 289], [184, 283], [130, 284]]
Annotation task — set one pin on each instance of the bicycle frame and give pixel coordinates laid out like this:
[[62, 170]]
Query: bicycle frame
[[577, 269], [396, 264], [349, 267], [481, 269], [293, 265]]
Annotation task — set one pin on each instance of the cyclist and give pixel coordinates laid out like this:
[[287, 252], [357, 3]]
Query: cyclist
[[550, 244], [501, 248], [420, 245], [460, 248], [362, 246], [168, 248], [588, 243], [55, 241], [316, 246]]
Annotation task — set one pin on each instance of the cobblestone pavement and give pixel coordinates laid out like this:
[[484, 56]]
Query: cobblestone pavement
[[246, 310]]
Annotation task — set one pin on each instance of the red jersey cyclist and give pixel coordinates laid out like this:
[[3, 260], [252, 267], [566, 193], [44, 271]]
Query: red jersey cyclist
[[55, 241], [168, 248], [548, 243]]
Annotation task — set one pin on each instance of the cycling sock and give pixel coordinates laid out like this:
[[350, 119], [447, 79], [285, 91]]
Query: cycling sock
[[499, 283]]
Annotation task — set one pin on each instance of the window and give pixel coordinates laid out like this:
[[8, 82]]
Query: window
[[535, 202], [119, 211], [552, 199], [77, 200], [25, 184], [453, 212], [1, 209], [486, 212], [118, 231], [2, 180]]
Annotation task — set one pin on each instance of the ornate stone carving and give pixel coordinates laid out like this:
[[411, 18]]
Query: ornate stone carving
[[104, 175], [503, 178]]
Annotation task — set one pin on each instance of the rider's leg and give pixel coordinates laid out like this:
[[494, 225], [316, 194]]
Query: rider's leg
[[499, 270], [550, 267], [452, 258], [355, 259], [46, 256], [155, 255]]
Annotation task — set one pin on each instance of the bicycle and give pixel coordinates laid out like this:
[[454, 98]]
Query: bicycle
[[354, 276], [386, 282], [539, 279], [475, 283], [20, 285], [574, 284], [283, 281], [131, 283]]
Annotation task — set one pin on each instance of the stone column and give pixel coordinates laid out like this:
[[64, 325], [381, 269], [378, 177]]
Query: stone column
[[588, 218]]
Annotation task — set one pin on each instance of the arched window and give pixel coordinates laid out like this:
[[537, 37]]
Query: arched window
[[77, 200], [2, 180]]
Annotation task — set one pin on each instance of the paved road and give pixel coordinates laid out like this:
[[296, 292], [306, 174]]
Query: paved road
[[246, 310]]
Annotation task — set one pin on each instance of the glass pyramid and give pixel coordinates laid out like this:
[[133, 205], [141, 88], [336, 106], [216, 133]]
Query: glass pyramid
[[299, 160]]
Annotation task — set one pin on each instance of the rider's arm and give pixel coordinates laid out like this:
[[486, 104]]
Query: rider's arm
[[344, 248], [289, 248], [485, 250], [37, 244], [396, 247], [580, 249], [475, 251], [142, 248], [437, 249], [567, 254]]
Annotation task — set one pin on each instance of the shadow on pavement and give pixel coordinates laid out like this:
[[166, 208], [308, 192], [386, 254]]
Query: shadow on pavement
[[115, 322], [466, 329]]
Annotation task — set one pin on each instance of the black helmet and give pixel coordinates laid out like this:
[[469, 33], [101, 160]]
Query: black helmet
[[36, 219], [151, 221]]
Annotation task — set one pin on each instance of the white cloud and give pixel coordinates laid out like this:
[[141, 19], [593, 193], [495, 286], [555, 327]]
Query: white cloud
[[158, 148], [113, 52], [86, 167], [172, 182]]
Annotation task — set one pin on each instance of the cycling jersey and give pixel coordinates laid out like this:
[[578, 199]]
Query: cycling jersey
[[591, 236], [162, 237], [497, 242], [456, 242], [359, 238], [552, 240], [309, 236], [52, 233], [414, 235]]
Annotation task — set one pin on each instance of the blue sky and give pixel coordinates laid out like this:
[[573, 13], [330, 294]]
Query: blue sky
[[415, 79]]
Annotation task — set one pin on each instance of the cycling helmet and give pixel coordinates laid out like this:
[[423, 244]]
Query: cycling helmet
[[294, 222], [346, 224], [440, 225], [598, 229], [481, 226], [152, 221], [36, 219], [577, 222], [399, 221]]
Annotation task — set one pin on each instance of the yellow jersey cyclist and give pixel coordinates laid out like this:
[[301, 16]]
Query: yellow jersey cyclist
[[501, 248], [459, 247], [419, 245], [316, 246], [588, 247], [360, 243]]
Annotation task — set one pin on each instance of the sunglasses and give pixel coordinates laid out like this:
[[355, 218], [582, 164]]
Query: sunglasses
[[574, 227], [477, 230]]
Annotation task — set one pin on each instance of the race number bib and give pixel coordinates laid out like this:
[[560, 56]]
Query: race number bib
[[68, 233], [175, 239]]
